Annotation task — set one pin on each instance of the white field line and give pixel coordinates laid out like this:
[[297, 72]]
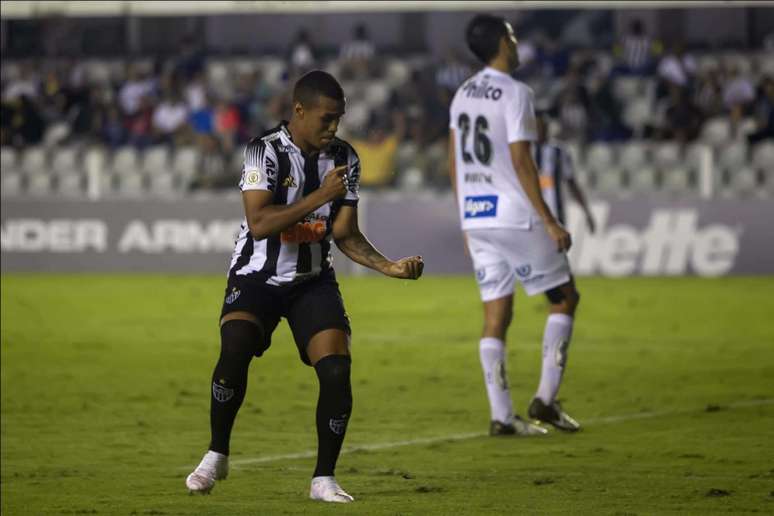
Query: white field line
[[463, 437]]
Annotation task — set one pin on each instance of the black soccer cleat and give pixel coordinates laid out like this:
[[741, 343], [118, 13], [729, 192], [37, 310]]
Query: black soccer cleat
[[516, 426], [553, 415]]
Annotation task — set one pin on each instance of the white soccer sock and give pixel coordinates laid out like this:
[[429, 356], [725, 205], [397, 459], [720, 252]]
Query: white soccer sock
[[492, 352], [556, 340]]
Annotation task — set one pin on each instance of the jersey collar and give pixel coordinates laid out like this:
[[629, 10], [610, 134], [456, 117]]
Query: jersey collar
[[489, 69]]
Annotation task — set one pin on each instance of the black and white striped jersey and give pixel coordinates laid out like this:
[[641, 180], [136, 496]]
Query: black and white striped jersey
[[554, 166], [273, 162]]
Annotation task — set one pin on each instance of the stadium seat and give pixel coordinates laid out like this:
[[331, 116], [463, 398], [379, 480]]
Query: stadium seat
[[129, 183], [125, 160], [763, 156], [377, 93], [64, 160], [8, 158], [397, 72], [97, 71], [186, 163], [608, 180], [642, 179], [39, 183], [733, 156], [667, 155], [739, 182], [707, 62], [244, 66], [273, 70], [69, 183], [716, 131], [10, 182], [676, 180], [34, 160], [633, 156], [599, 156], [356, 120], [162, 183], [741, 62], [156, 159], [766, 64], [694, 154]]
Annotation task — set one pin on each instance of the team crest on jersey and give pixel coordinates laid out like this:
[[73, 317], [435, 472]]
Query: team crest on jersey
[[524, 271], [480, 274], [338, 425], [289, 182], [233, 295], [220, 393]]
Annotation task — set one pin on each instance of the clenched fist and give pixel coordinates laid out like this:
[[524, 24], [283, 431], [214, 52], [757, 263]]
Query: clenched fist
[[406, 268]]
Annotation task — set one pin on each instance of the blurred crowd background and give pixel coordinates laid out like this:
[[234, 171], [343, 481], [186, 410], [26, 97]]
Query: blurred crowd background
[[638, 111]]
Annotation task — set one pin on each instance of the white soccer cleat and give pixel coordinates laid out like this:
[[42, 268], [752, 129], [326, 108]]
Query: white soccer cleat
[[326, 489], [214, 466]]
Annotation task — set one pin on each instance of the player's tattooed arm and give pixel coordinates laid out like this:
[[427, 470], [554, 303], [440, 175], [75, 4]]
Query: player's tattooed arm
[[353, 243]]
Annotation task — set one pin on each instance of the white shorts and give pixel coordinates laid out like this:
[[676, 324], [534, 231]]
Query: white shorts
[[503, 255]]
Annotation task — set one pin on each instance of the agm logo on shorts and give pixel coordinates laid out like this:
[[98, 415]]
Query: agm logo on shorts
[[233, 295], [480, 206], [524, 271]]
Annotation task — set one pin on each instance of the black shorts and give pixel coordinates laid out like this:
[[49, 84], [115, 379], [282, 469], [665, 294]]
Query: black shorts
[[310, 307]]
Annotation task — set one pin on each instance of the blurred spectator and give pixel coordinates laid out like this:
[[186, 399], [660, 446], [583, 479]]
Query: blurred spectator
[[636, 51], [709, 92], [140, 125], [572, 107], [112, 130], [301, 56], [170, 119], [136, 87], [226, 125], [196, 92], [357, 54], [682, 121], [452, 71], [26, 85], [764, 112], [377, 152], [25, 125], [677, 67], [605, 111], [738, 91], [213, 173], [190, 60]]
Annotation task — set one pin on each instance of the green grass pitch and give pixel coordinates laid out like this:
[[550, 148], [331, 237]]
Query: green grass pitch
[[105, 396]]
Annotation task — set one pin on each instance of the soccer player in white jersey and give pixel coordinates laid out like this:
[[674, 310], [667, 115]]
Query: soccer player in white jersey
[[556, 170], [299, 190], [509, 230]]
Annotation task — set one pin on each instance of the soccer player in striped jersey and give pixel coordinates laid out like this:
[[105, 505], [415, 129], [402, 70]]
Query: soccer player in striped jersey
[[556, 171], [300, 191], [510, 231]]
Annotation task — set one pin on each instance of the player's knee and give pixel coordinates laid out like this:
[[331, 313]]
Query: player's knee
[[334, 369], [241, 338]]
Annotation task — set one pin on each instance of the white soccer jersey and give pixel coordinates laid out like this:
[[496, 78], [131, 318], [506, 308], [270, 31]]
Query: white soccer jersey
[[489, 111], [274, 163], [555, 167]]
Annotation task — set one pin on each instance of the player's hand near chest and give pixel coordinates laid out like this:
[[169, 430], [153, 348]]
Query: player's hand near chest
[[356, 246], [334, 185]]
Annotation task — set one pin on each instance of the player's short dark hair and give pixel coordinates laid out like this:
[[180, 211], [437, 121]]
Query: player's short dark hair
[[483, 36], [314, 84]]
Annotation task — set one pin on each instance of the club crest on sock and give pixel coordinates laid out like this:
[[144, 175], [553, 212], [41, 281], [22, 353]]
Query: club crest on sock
[[338, 425], [221, 393]]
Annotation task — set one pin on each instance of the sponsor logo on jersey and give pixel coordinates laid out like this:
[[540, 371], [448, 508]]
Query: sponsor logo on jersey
[[478, 177], [289, 182], [480, 206], [220, 393], [288, 149], [306, 231], [233, 295], [481, 90]]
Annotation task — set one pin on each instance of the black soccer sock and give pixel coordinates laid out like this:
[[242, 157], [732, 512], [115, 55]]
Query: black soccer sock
[[229, 380], [333, 409]]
